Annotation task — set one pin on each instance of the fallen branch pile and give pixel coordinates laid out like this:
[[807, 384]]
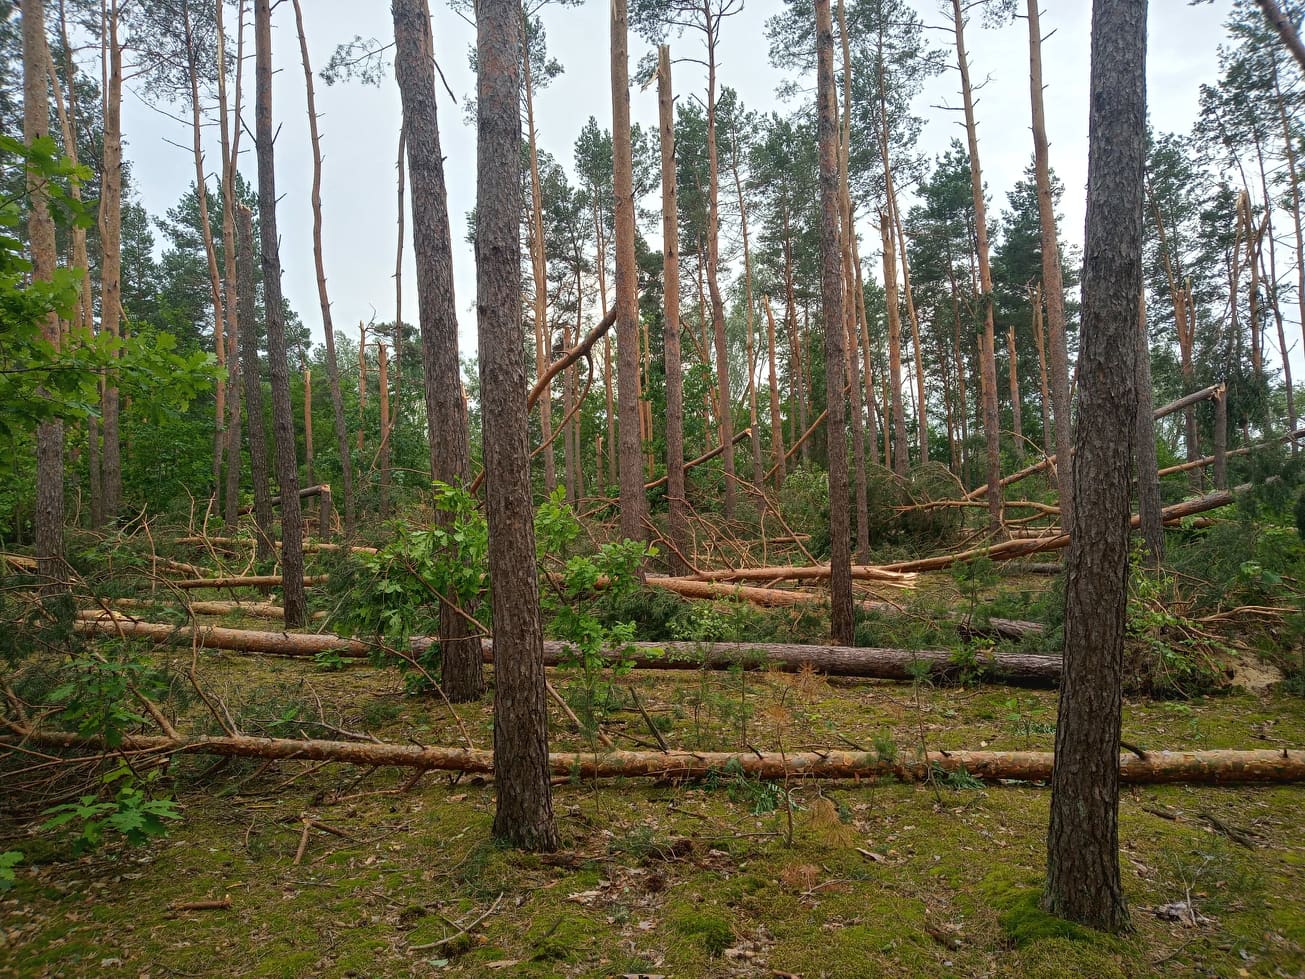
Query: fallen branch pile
[[1189, 767], [1025, 669]]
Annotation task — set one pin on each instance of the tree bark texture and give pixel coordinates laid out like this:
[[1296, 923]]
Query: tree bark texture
[[110, 227], [252, 378], [40, 232], [287, 466], [1145, 465], [1083, 880], [675, 500], [524, 816], [634, 504], [328, 328], [831, 291], [432, 243]]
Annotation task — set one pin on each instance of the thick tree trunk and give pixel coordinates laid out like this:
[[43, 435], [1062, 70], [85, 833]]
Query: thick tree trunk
[[432, 242], [987, 348], [1053, 287], [634, 504], [328, 328], [1145, 466], [287, 466], [40, 232], [675, 500], [110, 227], [831, 291], [1083, 880], [252, 379], [524, 816]]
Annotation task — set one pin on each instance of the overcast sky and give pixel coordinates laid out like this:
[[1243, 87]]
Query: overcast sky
[[360, 125]]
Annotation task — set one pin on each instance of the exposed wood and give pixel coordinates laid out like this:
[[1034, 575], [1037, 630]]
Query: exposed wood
[[1223, 767]]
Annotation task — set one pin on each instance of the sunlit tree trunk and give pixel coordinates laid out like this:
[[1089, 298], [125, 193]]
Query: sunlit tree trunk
[[110, 227], [524, 813]]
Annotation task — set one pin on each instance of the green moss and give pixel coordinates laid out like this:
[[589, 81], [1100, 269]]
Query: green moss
[[711, 931], [563, 939], [1024, 922]]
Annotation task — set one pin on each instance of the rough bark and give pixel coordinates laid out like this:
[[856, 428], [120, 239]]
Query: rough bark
[[675, 500], [328, 328], [524, 816], [40, 232], [252, 379], [1083, 879], [987, 352], [110, 228], [633, 503], [432, 243], [831, 291], [1053, 287], [287, 467]]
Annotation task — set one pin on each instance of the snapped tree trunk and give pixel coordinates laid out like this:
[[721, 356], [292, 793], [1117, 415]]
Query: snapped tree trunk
[[328, 328], [287, 466], [1083, 879], [831, 291], [524, 816], [446, 419]]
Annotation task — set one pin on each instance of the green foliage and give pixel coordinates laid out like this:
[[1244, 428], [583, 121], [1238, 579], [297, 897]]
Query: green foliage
[[8, 861], [956, 779], [131, 812], [97, 693]]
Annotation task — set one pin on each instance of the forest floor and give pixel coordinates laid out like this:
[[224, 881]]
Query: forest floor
[[334, 871]]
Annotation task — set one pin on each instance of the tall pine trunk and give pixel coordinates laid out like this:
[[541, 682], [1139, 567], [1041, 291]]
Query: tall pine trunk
[[524, 815], [633, 501], [539, 271], [230, 144], [987, 349], [283, 429], [831, 280], [1083, 879], [252, 379], [323, 299], [110, 227], [1145, 467], [725, 404], [432, 243]]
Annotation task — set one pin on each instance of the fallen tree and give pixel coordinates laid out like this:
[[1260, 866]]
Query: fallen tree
[[705, 457], [252, 610], [310, 547], [243, 581], [860, 572], [1189, 767], [1024, 669]]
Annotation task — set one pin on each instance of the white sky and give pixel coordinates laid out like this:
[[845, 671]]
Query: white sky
[[360, 125]]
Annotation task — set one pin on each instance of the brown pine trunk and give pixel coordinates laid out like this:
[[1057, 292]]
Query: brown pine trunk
[[539, 271], [1145, 466], [863, 335], [754, 426], [1294, 180], [1053, 287], [988, 356], [210, 252], [328, 329], [524, 815], [633, 503], [446, 419], [308, 426], [840, 557], [110, 227], [1083, 880], [383, 379], [798, 390], [1016, 420], [287, 467], [901, 460], [675, 501], [1035, 300], [40, 231], [253, 384], [776, 423], [230, 153]]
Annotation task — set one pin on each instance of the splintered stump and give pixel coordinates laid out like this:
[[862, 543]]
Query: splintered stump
[[1188, 767], [1024, 669]]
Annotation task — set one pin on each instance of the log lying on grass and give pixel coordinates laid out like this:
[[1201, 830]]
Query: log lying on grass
[[860, 572], [1189, 767], [1024, 669], [252, 610], [244, 581]]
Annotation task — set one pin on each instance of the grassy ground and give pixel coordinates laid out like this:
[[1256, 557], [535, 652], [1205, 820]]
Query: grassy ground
[[730, 877]]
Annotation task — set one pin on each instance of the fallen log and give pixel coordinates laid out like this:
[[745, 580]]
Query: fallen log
[[321, 489], [310, 547], [1025, 669], [766, 597], [1227, 767], [860, 572], [1204, 461], [253, 610], [244, 581]]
